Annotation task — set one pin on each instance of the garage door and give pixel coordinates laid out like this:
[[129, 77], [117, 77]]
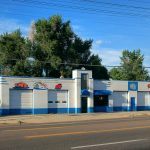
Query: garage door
[[21, 101], [143, 99], [120, 99], [58, 101]]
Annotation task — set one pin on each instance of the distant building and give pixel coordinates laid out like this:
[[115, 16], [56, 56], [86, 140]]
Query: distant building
[[80, 94]]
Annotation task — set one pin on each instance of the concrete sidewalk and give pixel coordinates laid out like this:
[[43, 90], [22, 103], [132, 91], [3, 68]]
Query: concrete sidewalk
[[52, 118]]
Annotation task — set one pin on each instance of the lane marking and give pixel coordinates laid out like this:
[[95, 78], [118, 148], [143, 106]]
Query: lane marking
[[105, 144], [83, 132]]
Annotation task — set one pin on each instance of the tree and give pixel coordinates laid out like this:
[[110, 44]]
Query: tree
[[59, 46], [116, 74], [51, 49], [13, 53], [131, 67], [99, 71]]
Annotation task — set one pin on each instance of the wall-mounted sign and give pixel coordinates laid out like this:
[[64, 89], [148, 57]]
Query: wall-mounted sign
[[133, 86], [21, 85], [40, 85], [58, 86], [148, 85]]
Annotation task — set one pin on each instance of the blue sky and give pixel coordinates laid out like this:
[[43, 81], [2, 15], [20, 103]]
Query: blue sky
[[114, 25]]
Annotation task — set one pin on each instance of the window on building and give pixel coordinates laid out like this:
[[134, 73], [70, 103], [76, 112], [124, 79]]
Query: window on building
[[50, 101], [101, 100], [84, 81]]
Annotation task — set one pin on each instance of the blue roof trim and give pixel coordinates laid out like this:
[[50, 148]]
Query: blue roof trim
[[102, 92], [85, 92]]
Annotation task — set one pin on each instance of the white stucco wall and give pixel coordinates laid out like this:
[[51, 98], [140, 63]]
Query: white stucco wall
[[40, 97]]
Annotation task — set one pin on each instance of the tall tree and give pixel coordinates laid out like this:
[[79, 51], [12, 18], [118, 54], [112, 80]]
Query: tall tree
[[51, 48], [131, 67], [59, 46], [13, 54]]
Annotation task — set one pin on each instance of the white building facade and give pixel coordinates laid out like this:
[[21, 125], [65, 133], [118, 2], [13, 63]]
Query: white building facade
[[80, 94]]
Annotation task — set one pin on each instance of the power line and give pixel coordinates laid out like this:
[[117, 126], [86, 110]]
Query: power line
[[139, 1], [30, 15], [118, 5], [91, 10], [79, 64]]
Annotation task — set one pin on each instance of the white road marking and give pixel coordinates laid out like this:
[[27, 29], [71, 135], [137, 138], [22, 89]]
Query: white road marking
[[105, 144]]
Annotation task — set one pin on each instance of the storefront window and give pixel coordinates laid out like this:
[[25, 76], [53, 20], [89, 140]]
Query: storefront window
[[101, 100]]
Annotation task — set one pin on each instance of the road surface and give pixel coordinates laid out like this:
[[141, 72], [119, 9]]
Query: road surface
[[116, 134]]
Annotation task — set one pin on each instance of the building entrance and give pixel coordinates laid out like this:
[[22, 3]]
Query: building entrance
[[83, 104], [100, 103]]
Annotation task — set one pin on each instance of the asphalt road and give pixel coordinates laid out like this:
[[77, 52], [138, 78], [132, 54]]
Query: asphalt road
[[116, 134]]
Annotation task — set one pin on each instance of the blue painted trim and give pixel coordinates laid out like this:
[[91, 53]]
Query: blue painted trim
[[3, 81], [142, 108], [64, 110], [103, 109], [74, 110], [57, 110], [40, 111], [102, 92], [70, 110], [20, 111], [90, 109], [4, 111], [120, 108]]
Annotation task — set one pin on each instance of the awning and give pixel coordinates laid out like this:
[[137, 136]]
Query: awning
[[85, 92], [102, 92]]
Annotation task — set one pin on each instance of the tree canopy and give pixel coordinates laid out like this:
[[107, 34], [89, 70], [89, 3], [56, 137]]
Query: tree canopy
[[13, 54], [131, 67], [52, 48]]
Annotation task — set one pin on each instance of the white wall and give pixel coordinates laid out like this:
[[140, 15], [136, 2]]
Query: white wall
[[143, 86], [119, 99], [40, 96], [111, 85], [143, 99]]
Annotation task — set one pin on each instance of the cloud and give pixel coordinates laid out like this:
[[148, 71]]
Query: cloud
[[9, 25], [110, 57], [146, 60], [98, 42]]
